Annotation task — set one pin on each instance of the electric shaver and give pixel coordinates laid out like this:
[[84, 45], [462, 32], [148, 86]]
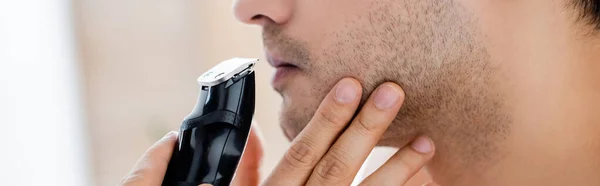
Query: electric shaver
[[213, 136]]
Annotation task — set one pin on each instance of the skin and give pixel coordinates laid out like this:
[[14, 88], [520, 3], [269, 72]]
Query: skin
[[152, 166], [507, 90], [329, 151]]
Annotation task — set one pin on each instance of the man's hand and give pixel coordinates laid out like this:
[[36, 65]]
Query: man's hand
[[329, 152], [151, 168]]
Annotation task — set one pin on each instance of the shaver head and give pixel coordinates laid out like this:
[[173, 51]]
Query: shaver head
[[226, 70]]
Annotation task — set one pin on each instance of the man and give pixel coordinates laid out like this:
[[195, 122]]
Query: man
[[508, 91]]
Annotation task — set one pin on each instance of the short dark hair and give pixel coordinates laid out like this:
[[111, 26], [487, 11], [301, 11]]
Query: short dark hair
[[589, 12]]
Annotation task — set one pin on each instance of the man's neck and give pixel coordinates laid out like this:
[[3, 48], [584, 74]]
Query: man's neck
[[553, 97], [555, 130]]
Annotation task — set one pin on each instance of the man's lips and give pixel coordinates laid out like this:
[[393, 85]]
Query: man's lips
[[278, 63], [283, 71]]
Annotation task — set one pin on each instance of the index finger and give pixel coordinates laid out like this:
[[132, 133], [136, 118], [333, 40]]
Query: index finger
[[332, 116]]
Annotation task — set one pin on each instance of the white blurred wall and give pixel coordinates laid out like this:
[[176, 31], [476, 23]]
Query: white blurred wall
[[43, 141], [141, 59]]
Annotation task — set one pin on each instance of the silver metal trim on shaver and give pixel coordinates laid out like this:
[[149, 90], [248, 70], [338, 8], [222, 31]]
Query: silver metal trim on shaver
[[226, 70]]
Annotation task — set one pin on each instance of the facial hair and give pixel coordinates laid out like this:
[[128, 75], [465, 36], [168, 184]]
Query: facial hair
[[433, 50]]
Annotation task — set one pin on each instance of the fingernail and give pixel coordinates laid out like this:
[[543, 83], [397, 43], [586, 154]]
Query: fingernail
[[422, 144], [386, 96], [170, 134], [346, 91]]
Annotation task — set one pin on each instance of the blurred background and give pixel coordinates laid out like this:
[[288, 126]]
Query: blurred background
[[86, 86]]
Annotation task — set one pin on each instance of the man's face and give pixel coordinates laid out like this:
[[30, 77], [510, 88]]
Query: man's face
[[432, 48]]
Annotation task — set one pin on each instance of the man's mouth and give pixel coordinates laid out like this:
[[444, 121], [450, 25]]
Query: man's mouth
[[283, 71]]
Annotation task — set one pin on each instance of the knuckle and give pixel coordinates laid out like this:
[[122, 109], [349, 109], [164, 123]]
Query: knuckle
[[331, 117], [332, 168], [300, 156], [367, 126]]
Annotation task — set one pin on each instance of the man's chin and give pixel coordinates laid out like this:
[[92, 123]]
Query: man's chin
[[289, 131], [293, 117], [291, 126]]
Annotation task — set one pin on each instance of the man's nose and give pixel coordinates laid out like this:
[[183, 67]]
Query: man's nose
[[260, 12]]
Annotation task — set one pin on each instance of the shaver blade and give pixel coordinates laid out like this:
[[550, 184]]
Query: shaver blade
[[226, 70]]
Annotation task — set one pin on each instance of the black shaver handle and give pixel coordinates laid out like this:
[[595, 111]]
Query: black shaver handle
[[213, 137]]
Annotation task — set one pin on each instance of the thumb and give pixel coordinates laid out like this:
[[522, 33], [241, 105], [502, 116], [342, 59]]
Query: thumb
[[248, 172], [151, 168]]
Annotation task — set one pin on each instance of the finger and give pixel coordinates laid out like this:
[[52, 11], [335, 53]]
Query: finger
[[343, 160], [151, 168], [248, 172], [334, 113], [403, 165]]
